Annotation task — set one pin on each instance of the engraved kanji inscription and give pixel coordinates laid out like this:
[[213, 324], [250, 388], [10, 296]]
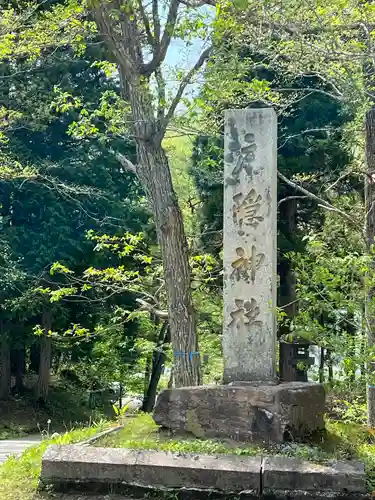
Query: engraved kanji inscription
[[242, 155], [245, 266], [246, 208], [245, 315]]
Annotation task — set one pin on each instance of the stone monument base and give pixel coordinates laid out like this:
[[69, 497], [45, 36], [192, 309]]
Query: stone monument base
[[267, 413]]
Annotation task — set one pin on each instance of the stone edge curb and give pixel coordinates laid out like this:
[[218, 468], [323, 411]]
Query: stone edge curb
[[357, 477], [99, 435]]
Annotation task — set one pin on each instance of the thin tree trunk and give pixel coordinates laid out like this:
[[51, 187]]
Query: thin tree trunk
[[351, 335], [287, 291], [34, 357], [330, 365], [5, 366], [321, 366], [18, 362], [364, 344], [158, 360], [147, 375], [45, 359], [154, 174], [370, 234]]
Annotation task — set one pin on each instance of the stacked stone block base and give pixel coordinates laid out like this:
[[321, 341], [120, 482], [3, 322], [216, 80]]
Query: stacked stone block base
[[267, 413]]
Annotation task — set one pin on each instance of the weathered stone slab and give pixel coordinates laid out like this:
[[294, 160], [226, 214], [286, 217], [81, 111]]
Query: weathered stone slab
[[313, 495], [282, 474], [191, 477], [154, 469], [269, 413], [250, 213], [89, 469]]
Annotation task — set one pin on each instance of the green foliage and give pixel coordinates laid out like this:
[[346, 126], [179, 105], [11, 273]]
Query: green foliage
[[179, 149], [56, 186], [59, 177], [330, 278], [121, 412], [19, 477], [354, 412], [142, 432]]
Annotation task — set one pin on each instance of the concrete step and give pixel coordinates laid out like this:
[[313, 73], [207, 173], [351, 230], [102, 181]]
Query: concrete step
[[91, 469]]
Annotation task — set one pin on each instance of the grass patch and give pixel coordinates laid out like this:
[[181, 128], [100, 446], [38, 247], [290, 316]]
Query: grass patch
[[343, 441], [19, 477], [141, 432]]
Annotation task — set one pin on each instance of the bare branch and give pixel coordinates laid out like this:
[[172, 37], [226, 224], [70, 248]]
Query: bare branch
[[287, 198], [104, 22], [184, 83], [146, 23], [156, 19], [198, 3], [127, 164], [308, 131], [321, 202], [148, 307], [161, 93], [161, 48], [326, 81], [343, 176], [312, 90]]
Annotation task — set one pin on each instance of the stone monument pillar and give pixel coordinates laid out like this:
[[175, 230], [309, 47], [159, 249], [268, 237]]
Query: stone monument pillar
[[250, 247], [250, 405]]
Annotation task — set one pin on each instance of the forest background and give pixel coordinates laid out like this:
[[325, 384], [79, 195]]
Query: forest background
[[95, 114]]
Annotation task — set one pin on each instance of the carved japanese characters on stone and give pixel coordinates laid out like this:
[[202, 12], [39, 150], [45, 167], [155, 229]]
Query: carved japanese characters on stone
[[245, 315], [242, 155], [245, 266], [250, 245], [245, 210]]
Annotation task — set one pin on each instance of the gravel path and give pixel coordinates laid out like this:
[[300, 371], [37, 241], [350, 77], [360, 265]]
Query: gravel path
[[10, 447]]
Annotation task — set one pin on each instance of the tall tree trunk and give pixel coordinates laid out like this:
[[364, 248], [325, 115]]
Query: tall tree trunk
[[148, 370], [287, 291], [45, 359], [5, 366], [148, 127], [330, 365], [154, 174], [18, 363], [350, 328], [321, 366], [370, 234], [34, 357], [158, 360]]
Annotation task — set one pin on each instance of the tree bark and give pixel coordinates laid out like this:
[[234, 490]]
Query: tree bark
[[158, 360], [34, 357], [370, 234], [350, 329], [5, 366], [18, 364], [155, 176], [153, 171], [45, 359], [321, 366], [287, 294], [330, 365], [147, 375], [170, 381]]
